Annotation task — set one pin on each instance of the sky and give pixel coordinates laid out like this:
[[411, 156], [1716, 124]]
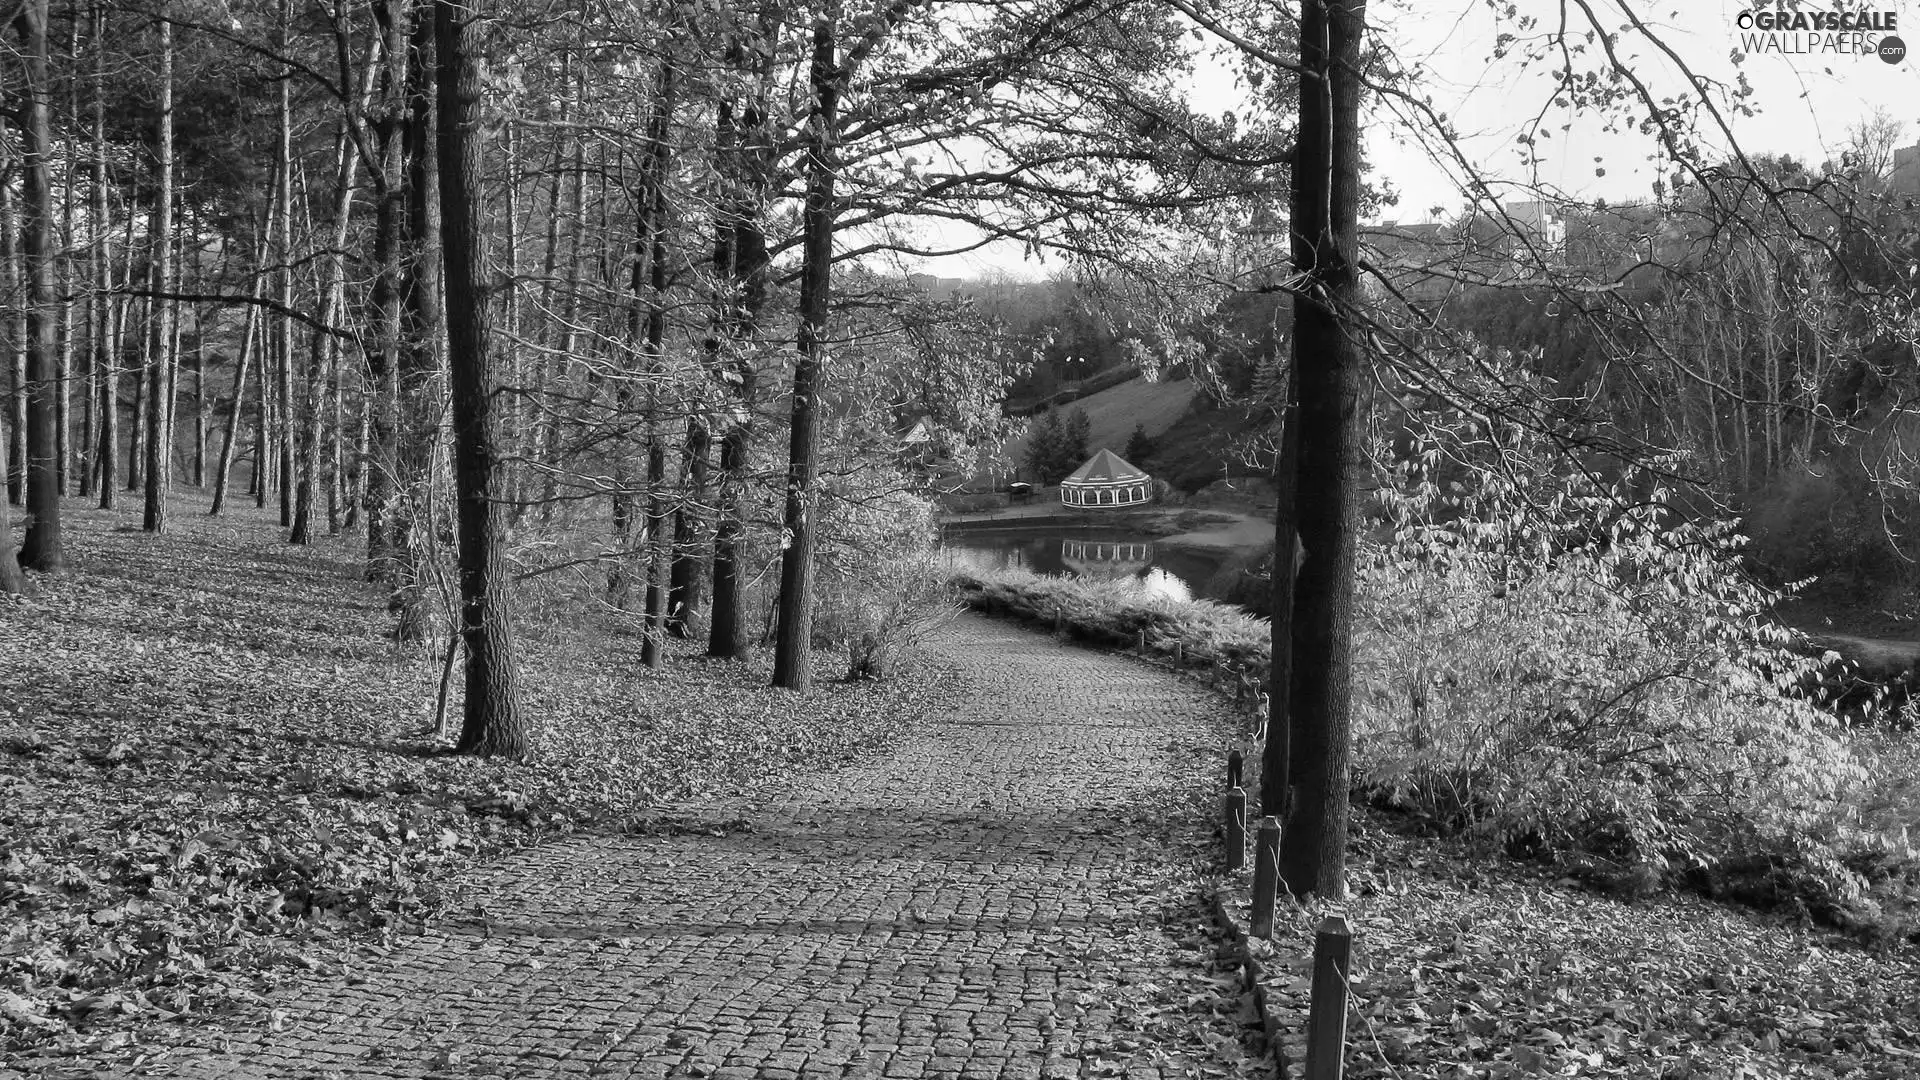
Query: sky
[[1806, 101], [1808, 90]]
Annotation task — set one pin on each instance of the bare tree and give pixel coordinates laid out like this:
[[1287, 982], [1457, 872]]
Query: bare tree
[[42, 549], [160, 337], [493, 723]]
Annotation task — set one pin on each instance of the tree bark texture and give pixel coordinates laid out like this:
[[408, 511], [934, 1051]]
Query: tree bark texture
[[792, 643], [42, 549], [160, 339], [1328, 363], [493, 724]]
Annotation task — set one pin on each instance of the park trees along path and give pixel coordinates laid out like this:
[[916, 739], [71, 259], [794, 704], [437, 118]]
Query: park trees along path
[[1011, 893]]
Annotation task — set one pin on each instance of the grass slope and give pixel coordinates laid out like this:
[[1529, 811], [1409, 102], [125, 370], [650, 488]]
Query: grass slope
[[216, 771], [1112, 413]]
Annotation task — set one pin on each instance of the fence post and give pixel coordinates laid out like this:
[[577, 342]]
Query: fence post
[[1266, 875], [1327, 1016], [1236, 830], [1236, 768]]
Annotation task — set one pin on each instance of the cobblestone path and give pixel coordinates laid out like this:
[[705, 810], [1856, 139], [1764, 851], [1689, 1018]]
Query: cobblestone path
[[1006, 895]]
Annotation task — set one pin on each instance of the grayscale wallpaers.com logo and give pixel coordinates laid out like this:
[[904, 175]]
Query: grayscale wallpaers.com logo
[[1821, 33]]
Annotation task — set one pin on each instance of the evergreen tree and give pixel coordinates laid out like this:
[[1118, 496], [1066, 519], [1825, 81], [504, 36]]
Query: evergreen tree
[[1073, 443], [1043, 448], [1139, 445]]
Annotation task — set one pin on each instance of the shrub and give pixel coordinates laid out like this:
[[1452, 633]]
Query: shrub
[[878, 585], [1115, 614], [1555, 663]]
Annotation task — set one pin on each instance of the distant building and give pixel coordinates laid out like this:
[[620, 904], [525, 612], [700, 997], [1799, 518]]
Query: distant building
[[1106, 480], [1904, 177], [1412, 258]]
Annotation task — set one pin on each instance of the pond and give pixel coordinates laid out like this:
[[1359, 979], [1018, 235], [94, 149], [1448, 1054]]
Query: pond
[[1165, 570]]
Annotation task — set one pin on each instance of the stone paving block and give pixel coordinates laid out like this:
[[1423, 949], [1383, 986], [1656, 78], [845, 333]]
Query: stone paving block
[[947, 909]]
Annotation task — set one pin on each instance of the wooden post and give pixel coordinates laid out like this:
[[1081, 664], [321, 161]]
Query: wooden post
[[1327, 1016], [1236, 830], [1266, 875], [1179, 655], [1236, 768], [1143, 643]]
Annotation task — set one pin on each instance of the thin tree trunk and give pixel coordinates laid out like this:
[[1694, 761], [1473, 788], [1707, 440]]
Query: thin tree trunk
[[336, 475], [63, 403], [323, 355], [13, 347], [380, 405], [42, 549], [558, 361], [143, 362], [200, 408], [492, 724], [792, 644], [1328, 364], [652, 650], [321, 346], [106, 345], [645, 305], [12, 581], [79, 456], [283, 339], [159, 470], [222, 471]]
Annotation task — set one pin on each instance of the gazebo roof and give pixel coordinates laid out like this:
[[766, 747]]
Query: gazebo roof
[[1106, 467]]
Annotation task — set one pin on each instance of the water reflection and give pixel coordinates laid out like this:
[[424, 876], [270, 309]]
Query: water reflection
[[1156, 569]]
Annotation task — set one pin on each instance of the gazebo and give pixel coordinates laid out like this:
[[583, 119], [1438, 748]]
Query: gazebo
[[1106, 480]]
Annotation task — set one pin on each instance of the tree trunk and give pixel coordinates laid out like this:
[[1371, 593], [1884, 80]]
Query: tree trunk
[[322, 351], [12, 581], [1327, 361], [558, 361], [200, 407], [493, 724], [383, 359], [106, 356], [72, 456], [143, 360], [1277, 755], [740, 264], [160, 340], [417, 386], [224, 469], [652, 649], [42, 549], [510, 362], [791, 650], [283, 253], [13, 335], [645, 307]]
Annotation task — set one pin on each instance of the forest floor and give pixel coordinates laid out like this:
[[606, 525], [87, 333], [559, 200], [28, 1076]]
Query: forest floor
[[223, 813], [224, 831]]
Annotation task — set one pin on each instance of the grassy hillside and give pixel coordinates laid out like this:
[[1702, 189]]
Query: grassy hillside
[[1114, 412]]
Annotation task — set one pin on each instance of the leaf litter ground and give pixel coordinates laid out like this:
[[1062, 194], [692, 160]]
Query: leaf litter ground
[[1468, 964], [215, 779], [216, 773]]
